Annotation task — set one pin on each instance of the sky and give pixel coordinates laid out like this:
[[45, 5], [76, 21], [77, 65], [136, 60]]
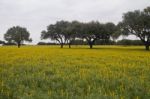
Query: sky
[[36, 15]]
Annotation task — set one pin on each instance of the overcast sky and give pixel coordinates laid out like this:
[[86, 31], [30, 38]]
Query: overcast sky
[[35, 15]]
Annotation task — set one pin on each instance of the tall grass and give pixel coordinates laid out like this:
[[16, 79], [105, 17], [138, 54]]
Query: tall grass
[[44, 72]]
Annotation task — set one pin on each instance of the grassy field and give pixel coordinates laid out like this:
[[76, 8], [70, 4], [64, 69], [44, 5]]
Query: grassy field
[[45, 72]]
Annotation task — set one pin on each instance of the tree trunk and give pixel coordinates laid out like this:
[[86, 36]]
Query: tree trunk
[[147, 47], [61, 45], [91, 46], [19, 45], [69, 45], [91, 43]]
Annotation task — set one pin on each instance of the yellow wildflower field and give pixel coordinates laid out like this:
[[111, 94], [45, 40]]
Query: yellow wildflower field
[[49, 72]]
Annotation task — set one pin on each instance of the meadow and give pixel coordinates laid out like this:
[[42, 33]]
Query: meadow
[[49, 72]]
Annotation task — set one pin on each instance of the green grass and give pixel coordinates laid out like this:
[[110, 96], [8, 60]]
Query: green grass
[[49, 72]]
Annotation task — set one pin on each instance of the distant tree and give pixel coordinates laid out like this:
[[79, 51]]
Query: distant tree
[[129, 42], [137, 23], [65, 32], [9, 43], [115, 35], [94, 31], [2, 42], [17, 35], [111, 31], [91, 32], [44, 43], [103, 42], [56, 32], [72, 31], [79, 42]]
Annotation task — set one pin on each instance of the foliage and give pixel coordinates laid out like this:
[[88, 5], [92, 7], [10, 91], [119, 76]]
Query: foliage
[[105, 42], [17, 35], [66, 32], [137, 23], [9, 43], [44, 43], [56, 32], [129, 42], [2, 42]]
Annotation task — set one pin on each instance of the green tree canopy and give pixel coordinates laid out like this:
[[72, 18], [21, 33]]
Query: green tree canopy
[[65, 32], [17, 35], [56, 32], [137, 23]]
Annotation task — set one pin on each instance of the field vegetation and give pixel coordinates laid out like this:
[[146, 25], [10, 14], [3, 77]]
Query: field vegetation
[[49, 72]]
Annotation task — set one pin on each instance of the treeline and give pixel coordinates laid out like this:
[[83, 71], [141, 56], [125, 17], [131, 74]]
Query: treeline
[[67, 33], [98, 42]]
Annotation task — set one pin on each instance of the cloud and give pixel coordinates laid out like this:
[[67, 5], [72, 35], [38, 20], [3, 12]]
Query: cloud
[[35, 15]]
